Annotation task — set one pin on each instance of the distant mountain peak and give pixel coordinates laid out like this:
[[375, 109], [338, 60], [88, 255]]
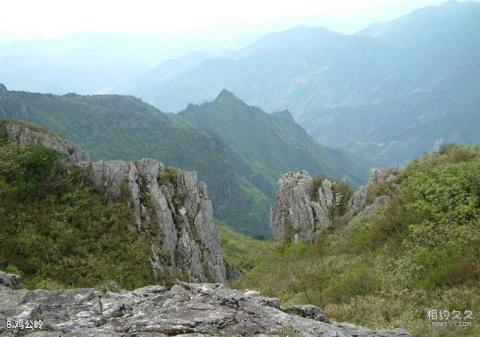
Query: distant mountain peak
[[3, 88], [226, 95]]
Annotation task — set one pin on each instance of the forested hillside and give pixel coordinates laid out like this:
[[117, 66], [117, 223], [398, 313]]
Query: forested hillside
[[124, 127]]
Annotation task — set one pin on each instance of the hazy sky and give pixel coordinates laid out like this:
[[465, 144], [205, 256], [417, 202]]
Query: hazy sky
[[55, 18]]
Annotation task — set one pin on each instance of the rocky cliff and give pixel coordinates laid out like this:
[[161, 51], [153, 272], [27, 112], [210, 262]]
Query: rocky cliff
[[173, 208], [24, 133], [307, 205], [186, 309], [170, 206]]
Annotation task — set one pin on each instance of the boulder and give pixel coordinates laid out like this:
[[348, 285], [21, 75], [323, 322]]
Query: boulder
[[10, 280], [308, 311], [301, 210]]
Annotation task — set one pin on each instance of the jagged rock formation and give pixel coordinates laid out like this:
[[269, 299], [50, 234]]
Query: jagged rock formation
[[307, 205], [173, 208], [185, 309], [302, 208], [170, 206], [25, 134], [358, 205], [293, 215]]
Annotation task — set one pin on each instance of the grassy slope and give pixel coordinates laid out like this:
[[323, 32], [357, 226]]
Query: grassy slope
[[419, 253], [57, 230], [241, 251]]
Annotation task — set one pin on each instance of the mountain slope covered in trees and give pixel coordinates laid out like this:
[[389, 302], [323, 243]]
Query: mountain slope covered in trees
[[124, 127], [264, 146]]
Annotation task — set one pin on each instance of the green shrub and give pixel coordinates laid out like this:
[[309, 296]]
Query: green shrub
[[48, 284], [59, 231], [317, 183], [11, 269], [357, 281]]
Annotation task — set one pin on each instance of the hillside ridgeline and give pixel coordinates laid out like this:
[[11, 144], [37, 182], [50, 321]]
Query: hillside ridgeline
[[238, 150], [382, 256]]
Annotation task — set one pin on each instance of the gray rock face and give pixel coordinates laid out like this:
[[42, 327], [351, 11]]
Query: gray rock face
[[10, 280], [184, 310], [173, 208], [357, 205], [358, 201], [370, 210], [292, 218], [378, 175], [300, 211], [170, 206], [24, 135]]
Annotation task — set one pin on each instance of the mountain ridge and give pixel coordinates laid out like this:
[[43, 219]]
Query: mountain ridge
[[317, 74], [124, 127]]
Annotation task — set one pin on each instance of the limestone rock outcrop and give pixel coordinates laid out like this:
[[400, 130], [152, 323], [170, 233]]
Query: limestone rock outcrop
[[358, 206], [24, 134], [171, 207], [306, 205], [193, 310], [302, 208], [293, 215]]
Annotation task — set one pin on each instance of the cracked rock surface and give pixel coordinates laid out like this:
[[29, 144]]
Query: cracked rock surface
[[186, 309], [301, 210]]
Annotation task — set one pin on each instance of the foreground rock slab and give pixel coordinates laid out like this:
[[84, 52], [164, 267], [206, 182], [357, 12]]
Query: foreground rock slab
[[187, 309]]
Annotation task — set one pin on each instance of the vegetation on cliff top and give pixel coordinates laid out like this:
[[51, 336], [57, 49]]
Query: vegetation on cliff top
[[57, 230], [419, 253]]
